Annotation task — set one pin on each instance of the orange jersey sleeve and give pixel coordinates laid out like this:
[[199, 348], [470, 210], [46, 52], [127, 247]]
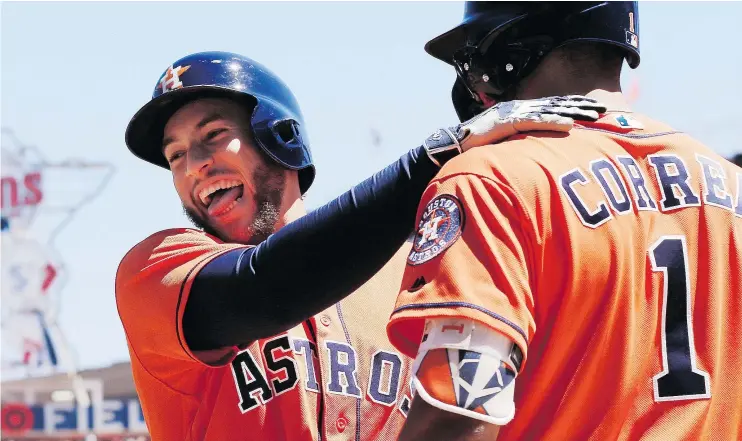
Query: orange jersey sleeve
[[611, 256], [470, 259], [335, 376], [152, 287]]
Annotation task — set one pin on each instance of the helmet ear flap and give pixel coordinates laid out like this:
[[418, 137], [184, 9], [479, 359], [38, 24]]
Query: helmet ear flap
[[466, 106], [280, 135], [287, 133], [283, 139], [498, 70]]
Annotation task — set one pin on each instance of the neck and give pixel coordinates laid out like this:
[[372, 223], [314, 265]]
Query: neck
[[292, 203], [554, 77], [296, 210], [615, 101]]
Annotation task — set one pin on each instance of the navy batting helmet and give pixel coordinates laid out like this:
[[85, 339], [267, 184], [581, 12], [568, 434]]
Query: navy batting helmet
[[499, 43], [276, 120]]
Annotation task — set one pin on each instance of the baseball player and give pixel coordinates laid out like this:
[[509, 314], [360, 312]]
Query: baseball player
[[237, 333], [580, 286]]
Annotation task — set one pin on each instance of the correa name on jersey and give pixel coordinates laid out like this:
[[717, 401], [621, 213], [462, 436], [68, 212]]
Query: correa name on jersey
[[257, 387], [440, 225], [678, 187]]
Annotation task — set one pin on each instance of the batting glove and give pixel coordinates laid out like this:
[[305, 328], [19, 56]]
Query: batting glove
[[499, 122]]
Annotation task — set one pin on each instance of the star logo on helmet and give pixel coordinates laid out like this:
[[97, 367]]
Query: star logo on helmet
[[171, 79]]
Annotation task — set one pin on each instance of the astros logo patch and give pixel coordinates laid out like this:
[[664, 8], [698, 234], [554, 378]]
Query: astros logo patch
[[439, 227]]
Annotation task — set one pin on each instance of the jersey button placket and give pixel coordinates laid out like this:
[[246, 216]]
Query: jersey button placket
[[338, 409]]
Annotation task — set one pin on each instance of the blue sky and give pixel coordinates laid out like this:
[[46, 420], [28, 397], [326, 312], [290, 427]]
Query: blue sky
[[74, 73]]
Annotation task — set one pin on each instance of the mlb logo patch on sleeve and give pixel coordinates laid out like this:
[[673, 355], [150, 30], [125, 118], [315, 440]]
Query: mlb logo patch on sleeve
[[439, 227]]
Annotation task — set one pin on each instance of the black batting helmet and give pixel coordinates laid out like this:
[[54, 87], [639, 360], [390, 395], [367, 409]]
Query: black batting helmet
[[498, 43], [276, 120]]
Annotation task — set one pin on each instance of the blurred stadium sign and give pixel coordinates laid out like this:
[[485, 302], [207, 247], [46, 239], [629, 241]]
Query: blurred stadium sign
[[118, 419], [38, 200]]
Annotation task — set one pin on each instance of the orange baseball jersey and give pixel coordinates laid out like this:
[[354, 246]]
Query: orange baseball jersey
[[335, 377], [612, 258]]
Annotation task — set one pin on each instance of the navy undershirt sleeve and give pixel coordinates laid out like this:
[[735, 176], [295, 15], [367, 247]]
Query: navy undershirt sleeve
[[310, 264]]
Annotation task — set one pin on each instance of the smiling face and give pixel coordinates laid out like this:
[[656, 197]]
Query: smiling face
[[227, 186]]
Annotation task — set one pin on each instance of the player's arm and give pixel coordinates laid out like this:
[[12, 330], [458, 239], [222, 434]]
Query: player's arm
[[465, 313], [434, 423], [319, 259], [463, 380]]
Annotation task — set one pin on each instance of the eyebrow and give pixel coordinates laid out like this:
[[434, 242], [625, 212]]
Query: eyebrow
[[211, 117]]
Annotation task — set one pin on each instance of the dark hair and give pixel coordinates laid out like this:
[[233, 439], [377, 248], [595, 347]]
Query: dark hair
[[590, 59]]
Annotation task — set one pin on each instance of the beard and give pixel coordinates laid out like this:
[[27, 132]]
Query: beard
[[270, 183]]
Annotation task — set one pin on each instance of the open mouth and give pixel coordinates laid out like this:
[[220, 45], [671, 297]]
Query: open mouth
[[221, 196]]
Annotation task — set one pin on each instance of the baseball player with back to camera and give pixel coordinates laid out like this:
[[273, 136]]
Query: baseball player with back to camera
[[241, 329], [574, 286]]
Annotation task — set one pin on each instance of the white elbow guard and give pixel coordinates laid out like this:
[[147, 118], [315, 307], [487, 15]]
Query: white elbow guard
[[464, 367]]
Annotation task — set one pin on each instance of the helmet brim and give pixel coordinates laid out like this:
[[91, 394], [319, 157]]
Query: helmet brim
[[145, 130], [445, 45], [482, 19]]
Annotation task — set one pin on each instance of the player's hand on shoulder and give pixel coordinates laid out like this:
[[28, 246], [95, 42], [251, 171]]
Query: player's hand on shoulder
[[555, 114], [508, 118]]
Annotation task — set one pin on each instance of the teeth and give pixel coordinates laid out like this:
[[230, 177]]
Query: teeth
[[224, 184], [231, 206]]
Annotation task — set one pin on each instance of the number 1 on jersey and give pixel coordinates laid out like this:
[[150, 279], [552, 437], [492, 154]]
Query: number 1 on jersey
[[680, 379]]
